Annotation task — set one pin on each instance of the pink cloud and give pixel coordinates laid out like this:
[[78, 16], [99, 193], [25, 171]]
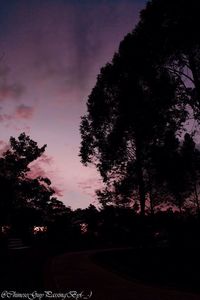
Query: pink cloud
[[8, 90], [90, 185], [24, 112], [59, 192], [46, 159], [3, 147], [36, 171], [5, 117]]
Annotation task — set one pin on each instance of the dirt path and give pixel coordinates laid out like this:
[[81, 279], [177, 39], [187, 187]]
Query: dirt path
[[76, 271]]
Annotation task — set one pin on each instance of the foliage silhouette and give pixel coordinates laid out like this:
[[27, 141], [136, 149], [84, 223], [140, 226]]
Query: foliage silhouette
[[137, 112], [130, 110], [170, 31], [25, 202]]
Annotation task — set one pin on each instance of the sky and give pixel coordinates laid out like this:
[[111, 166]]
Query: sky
[[51, 52]]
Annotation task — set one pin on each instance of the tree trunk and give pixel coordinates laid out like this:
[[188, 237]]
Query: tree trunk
[[140, 177], [195, 75], [196, 198], [151, 202], [142, 197], [179, 202]]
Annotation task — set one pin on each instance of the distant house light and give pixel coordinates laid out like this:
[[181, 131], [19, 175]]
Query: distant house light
[[84, 227], [5, 229], [39, 229]]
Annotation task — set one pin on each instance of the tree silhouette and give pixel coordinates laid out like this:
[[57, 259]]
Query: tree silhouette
[[191, 161], [132, 106], [13, 169], [170, 31], [20, 194], [171, 171]]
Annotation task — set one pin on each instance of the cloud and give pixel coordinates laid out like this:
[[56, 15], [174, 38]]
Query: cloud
[[90, 185], [24, 112], [63, 44], [3, 147], [45, 159], [8, 89], [59, 192], [38, 169], [5, 117], [21, 112]]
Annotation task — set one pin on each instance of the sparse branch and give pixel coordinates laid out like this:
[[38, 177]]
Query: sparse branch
[[179, 73]]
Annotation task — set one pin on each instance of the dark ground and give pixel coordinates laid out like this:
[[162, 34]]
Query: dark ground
[[22, 270], [78, 271], [111, 275], [162, 267]]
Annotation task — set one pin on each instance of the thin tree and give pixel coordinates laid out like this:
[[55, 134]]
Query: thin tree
[[191, 159]]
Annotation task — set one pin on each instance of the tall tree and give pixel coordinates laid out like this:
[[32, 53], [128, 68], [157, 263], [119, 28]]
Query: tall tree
[[133, 104]]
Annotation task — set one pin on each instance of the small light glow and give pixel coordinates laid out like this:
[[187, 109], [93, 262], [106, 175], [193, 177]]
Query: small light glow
[[5, 229], [39, 229], [84, 227]]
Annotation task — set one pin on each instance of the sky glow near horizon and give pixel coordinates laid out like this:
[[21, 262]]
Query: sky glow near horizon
[[51, 52]]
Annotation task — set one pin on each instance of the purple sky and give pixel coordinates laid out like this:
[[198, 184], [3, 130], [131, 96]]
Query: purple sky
[[50, 54]]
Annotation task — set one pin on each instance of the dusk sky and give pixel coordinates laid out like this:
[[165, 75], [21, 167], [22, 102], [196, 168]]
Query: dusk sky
[[51, 52]]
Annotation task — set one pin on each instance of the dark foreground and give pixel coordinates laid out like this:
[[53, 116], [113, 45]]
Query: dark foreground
[[174, 268], [35, 269], [80, 272], [22, 270]]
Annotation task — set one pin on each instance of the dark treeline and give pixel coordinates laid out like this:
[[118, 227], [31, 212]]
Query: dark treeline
[[30, 210]]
